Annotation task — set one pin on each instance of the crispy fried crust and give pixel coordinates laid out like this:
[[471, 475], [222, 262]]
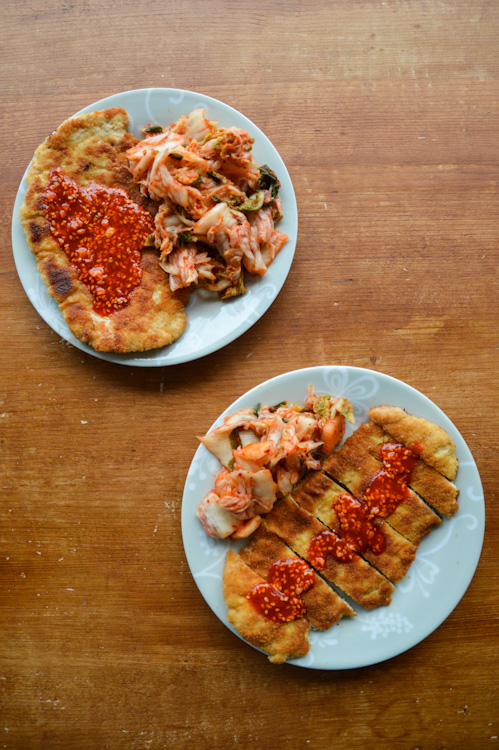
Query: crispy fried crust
[[91, 148], [356, 578], [354, 467], [438, 491], [324, 606], [433, 487], [438, 447], [318, 495], [281, 641]]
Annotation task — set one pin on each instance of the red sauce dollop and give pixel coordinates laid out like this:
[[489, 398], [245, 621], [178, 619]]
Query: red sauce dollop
[[102, 232], [358, 532], [278, 599], [357, 529], [327, 544], [388, 487]]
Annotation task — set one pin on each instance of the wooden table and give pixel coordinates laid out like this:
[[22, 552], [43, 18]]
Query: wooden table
[[385, 114]]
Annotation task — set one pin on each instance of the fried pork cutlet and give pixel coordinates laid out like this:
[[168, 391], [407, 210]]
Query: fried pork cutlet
[[80, 166], [355, 468], [280, 640], [432, 486], [356, 578], [438, 448], [320, 495], [323, 605]]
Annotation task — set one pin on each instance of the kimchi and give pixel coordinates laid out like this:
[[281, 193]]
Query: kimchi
[[219, 208]]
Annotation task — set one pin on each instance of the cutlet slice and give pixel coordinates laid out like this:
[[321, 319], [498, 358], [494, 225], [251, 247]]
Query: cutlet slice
[[355, 468], [438, 448], [324, 606], [281, 641], [319, 495], [433, 487], [356, 578]]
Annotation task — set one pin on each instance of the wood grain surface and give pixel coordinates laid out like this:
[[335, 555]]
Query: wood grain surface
[[386, 115]]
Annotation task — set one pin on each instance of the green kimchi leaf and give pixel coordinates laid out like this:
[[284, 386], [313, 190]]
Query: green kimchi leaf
[[186, 237], [322, 406], [268, 181], [252, 203], [214, 176], [151, 129]]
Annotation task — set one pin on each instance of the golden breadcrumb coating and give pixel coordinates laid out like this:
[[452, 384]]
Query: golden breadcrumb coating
[[281, 641], [318, 495], [91, 148], [355, 468], [324, 606], [429, 483], [438, 447], [356, 578]]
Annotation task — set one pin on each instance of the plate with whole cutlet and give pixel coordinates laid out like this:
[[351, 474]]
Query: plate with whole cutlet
[[333, 517], [154, 227]]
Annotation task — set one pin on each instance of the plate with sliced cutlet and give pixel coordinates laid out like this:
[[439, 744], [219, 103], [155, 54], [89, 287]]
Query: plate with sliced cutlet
[[149, 277], [403, 477]]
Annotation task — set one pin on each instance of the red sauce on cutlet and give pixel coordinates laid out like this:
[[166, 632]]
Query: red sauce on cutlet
[[388, 487], [102, 232], [357, 528], [327, 544], [358, 531], [279, 599]]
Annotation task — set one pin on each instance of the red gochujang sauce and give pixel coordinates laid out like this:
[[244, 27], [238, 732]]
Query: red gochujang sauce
[[327, 544], [357, 528], [358, 532], [278, 599], [389, 487], [102, 232]]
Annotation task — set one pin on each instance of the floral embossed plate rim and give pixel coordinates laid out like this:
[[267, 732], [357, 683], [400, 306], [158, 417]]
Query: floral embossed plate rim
[[446, 559], [211, 324]]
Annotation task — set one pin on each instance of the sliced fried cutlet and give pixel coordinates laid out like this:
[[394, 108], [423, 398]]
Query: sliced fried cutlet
[[281, 641], [324, 606], [359, 580], [438, 448], [433, 487], [319, 494], [354, 467]]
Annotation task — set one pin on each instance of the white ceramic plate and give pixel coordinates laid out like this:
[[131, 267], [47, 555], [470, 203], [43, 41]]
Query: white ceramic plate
[[211, 324], [446, 559]]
